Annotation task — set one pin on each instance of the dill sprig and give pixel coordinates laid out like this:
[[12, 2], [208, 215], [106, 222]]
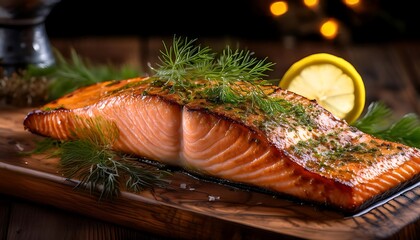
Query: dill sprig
[[186, 67], [223, 93], [184, 62], [91, 160], [70, 74], [181, 63], [100, 168], [239, 65], [379, 121]]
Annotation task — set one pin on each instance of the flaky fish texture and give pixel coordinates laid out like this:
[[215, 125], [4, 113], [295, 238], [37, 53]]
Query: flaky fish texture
[[305, 153]]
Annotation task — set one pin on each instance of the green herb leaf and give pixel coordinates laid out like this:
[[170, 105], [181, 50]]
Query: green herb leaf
[[193, 71], [91, 160], [68, 76], [380, 122], [184, 62], [102, 169]]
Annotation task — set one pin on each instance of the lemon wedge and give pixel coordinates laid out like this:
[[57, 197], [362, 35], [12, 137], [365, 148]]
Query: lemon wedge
[[332, 81]]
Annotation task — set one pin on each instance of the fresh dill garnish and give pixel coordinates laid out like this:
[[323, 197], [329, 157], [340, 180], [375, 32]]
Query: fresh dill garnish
[[380, 122], [69, 75], [91, 160], [188, 67], [182, 62], [100, 168], [223, 93], [239, 65]]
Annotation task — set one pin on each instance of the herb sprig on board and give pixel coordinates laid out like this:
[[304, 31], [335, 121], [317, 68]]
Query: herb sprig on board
[[75, 72], [91, 160], [379, 121]]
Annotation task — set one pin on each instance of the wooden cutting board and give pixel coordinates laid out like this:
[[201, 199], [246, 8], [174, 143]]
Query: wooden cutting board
[[192, 208]]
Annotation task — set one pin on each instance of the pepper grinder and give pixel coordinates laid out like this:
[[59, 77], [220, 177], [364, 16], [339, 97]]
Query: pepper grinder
[[23, 38]]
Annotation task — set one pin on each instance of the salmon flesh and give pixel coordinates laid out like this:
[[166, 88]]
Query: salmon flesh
[[304, 152]]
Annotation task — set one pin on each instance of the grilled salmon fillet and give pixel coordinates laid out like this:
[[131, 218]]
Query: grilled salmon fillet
[[304, 152]]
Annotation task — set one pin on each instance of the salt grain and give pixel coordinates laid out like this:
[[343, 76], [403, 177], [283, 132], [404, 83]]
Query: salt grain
[[213, 198], [19, 147]]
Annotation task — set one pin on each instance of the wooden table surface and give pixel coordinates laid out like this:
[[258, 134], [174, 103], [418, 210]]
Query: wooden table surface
[[391, 72]]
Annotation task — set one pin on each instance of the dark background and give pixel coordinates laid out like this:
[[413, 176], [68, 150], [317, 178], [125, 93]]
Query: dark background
[[153, 17], [377, 21]]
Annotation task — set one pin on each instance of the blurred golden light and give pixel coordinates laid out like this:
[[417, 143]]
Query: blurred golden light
[[311, 3], [329, 29], [351, 3], [278, 8]]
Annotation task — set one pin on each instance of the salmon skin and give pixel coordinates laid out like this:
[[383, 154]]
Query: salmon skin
[[304, 152]]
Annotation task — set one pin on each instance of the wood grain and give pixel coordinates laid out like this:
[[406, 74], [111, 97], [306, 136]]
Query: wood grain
[[190, 208], [51, 225], [4, 217]]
